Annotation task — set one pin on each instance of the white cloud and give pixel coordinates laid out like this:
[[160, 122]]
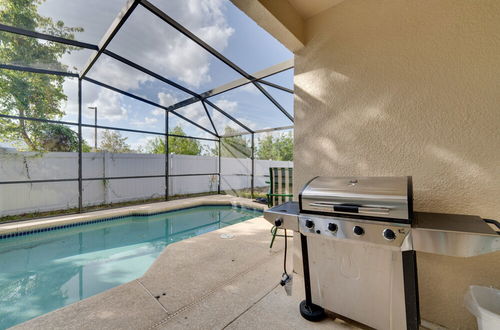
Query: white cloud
[[150, 121], [227, 105], [155, 45], [109, 105], [167, 99], [232, 108], [249, 88], [70, 107], [147, 40], [158, 112], [140, 143], [196, 113], [146, 122], [116, 74]]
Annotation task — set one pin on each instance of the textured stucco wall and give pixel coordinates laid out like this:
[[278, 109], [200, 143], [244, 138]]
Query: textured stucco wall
[[393, 87]]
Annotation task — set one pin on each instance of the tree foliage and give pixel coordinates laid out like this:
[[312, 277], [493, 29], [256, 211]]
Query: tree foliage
[[58, 138], [275, 147], [27, 94], [233, 146], [176, 145], [113, 141], [278, 147]]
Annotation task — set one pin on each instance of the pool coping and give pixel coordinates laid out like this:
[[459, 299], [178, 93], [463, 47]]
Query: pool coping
[[23, 228]]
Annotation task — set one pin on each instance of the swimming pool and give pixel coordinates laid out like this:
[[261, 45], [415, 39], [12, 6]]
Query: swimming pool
[[45, 271]]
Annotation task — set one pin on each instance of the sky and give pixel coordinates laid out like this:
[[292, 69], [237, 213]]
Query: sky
[[150, 42]]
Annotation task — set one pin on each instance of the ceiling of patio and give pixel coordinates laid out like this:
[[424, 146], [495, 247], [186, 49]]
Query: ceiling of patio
[[309, 8]]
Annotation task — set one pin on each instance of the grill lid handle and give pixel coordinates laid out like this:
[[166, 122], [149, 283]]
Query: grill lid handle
[[351, 208], [346, 208]]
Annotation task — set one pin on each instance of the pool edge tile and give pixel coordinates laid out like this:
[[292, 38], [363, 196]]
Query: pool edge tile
[[31, 226]]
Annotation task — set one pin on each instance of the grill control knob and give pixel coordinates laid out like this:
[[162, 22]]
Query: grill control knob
[[389, 235], [278, 222], [309, 224], [358, 230], [332, 227]]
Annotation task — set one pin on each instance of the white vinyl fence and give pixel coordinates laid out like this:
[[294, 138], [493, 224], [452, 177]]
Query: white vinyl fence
[[38, 197]]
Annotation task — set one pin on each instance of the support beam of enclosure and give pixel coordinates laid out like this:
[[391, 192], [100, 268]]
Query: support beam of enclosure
[[253, 167], [43, 120], [219, 157], [122, 17], [288, 90], [228, 116], [276, 103], [167, 158], [148, 72], [260, 131], [80, 144], [209, 117], [240, 82], [257, 76], [48, 37], [257, 79], [160, 14], [195, 97], [35, 70], [148, 102], [113, 30]]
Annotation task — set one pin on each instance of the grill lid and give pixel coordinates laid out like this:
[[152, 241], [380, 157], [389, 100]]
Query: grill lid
[[374, 197]]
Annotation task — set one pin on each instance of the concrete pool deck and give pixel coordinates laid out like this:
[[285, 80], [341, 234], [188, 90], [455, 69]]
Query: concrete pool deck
[[205, 282]]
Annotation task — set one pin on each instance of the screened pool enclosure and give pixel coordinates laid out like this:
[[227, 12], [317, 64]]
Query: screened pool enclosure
[[100, 100]]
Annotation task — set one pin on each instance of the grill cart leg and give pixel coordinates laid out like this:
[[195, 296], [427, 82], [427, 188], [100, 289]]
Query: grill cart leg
[[311, 312], [411, 290], [308, 310]]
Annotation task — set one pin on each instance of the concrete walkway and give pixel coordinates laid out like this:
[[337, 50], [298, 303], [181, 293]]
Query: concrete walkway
[[206, 282]]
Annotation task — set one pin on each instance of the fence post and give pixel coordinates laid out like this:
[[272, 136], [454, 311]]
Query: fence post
[[80, 181], [253, 166]]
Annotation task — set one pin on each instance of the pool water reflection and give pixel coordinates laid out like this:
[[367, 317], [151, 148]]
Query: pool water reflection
[[46, 271]]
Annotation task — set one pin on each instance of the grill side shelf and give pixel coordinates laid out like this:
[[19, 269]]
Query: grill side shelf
[[453, 235], [288, 213]]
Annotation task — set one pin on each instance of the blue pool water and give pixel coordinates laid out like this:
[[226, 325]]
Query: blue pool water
[[45, 271]]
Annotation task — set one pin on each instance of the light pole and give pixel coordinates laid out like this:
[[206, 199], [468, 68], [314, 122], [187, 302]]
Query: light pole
[[95, 128]]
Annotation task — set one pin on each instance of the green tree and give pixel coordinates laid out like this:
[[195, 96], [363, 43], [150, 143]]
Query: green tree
[[113, 141], [26, 94], [59, 138], [233, 146], [278, 147], [177, 145]]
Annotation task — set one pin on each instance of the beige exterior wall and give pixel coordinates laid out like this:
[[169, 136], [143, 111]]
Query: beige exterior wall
[[395, 87]]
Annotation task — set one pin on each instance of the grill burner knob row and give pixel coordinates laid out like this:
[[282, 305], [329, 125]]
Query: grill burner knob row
[[332, 227], [358, 230], [309, 224], [389, 234]]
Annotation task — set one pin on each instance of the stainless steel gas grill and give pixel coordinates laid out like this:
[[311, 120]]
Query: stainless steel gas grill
[[359, 238]]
